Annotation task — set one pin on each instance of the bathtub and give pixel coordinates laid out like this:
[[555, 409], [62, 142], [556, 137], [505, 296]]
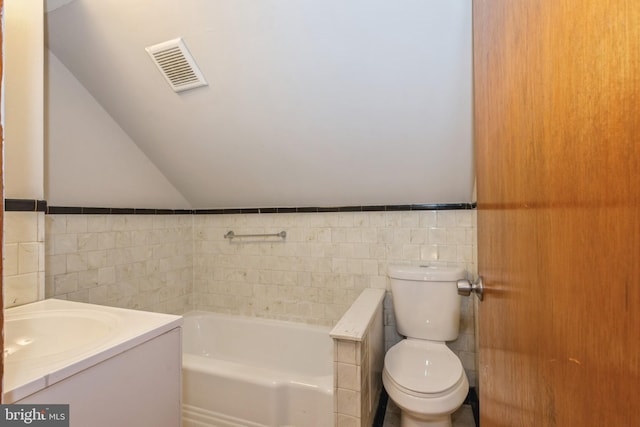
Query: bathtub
[[253, 372]]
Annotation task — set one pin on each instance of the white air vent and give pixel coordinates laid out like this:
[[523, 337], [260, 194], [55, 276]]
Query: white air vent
[[176, 64]]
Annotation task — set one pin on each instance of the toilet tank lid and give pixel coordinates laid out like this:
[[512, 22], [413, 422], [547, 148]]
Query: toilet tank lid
[[426, 273]]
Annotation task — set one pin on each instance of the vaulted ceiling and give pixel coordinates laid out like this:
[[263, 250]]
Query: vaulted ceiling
[[308, 103]]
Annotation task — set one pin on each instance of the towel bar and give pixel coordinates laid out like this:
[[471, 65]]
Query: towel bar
[[231, 235]]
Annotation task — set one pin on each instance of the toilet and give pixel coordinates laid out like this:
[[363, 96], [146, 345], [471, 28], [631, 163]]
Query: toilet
[[421, 374]]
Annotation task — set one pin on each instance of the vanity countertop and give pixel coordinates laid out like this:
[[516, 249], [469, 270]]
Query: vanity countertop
[[48, 341]]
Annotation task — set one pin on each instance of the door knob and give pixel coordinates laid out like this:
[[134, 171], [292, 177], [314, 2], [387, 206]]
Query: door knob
[[465, 287]]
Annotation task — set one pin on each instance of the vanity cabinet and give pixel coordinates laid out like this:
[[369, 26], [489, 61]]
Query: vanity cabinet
[[139, 387]]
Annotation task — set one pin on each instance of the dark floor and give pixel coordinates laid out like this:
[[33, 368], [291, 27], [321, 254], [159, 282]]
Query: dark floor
[[463, 417], [388, 414]]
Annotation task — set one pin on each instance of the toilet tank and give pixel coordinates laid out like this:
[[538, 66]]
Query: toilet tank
[[426, 301]]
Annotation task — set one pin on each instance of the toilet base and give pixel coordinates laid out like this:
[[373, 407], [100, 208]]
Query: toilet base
[[406, 420], [421, 412]]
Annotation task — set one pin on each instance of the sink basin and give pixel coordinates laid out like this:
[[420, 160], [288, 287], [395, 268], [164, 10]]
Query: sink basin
[[46, 335], [50, 340]]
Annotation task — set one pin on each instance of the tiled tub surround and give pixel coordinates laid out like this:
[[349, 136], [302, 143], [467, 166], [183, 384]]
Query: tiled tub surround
[[130, 261], [358, 359], [177, 263], [325, 262], [24, 257]]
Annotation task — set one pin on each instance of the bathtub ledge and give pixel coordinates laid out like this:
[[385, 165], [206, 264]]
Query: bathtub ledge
[[354, 323]]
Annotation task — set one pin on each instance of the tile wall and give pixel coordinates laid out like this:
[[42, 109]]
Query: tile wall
[[131, 261], [23, 257], [174, 263], [358, 360], [325, 262]]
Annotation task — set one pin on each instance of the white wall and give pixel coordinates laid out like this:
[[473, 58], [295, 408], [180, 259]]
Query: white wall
[[309, 103], [23, 107], [90, 160]]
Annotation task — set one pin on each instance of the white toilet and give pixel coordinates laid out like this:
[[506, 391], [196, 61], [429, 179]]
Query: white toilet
[[421, 374]]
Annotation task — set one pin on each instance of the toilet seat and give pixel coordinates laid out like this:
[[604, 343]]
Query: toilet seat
[[423, 368]]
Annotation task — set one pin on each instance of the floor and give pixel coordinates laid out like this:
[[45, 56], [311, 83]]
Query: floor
[[463, 417]]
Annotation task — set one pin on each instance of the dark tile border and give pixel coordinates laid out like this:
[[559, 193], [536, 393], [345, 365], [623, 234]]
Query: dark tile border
[[75, 210], [324, 209], [26, 205]]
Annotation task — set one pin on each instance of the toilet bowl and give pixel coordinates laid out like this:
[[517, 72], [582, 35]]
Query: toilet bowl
[[421, 374], [426, 381]]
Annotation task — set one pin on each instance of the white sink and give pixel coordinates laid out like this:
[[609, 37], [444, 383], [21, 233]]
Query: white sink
[[44, 335], [48, 341]]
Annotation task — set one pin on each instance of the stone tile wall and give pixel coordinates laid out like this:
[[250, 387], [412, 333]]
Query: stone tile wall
[[358, 361], [130, 261], [24, 257], [175, 263], [325, 262]]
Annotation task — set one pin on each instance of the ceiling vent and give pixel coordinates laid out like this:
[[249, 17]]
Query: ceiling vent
[[176, 65]]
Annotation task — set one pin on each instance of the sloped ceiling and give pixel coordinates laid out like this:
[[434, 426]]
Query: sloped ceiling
[[309, 102]]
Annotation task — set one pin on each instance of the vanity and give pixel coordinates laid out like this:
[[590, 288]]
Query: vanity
[[112, 366]]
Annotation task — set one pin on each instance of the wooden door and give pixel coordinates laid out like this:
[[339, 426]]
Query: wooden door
[[557, 130]]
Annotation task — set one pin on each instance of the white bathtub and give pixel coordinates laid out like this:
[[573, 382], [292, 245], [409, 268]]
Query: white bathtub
[[243, 371]]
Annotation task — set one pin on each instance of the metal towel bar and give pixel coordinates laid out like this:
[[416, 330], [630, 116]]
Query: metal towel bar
[[231, 235]]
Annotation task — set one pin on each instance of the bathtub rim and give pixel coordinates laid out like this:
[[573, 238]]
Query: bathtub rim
[[245, 318]]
